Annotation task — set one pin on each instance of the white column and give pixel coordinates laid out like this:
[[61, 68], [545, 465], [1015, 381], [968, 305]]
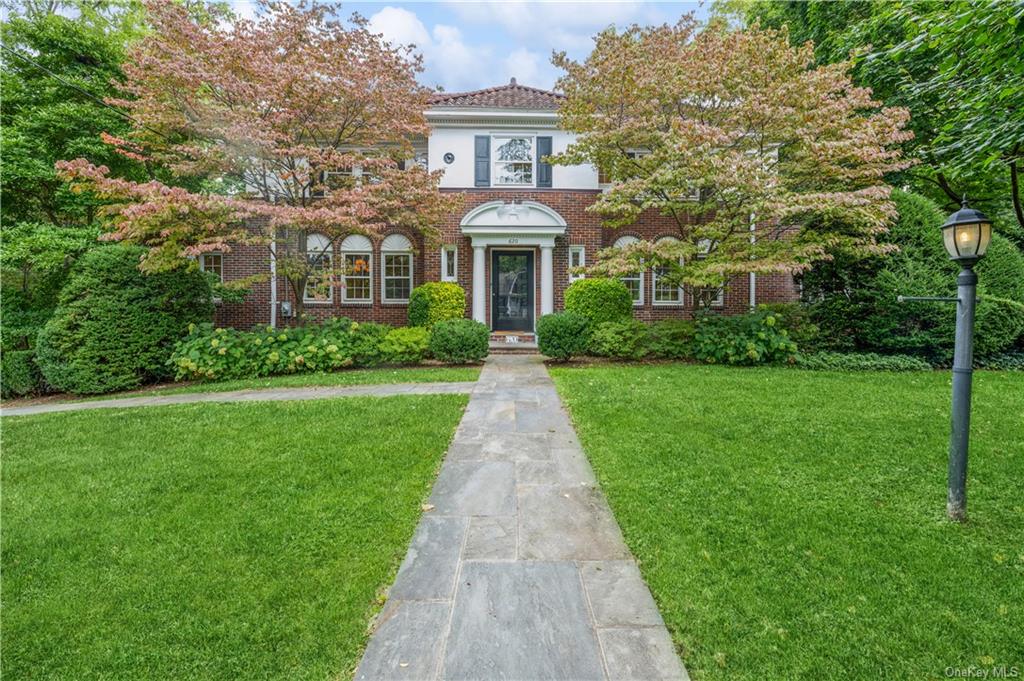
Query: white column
[[479, 284], [547, 281]]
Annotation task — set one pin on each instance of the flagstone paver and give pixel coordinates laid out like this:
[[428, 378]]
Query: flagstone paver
[[521, 554], [251, 395]]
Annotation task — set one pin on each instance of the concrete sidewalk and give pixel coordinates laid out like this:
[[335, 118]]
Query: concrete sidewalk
[[254, 395], [518, 571]]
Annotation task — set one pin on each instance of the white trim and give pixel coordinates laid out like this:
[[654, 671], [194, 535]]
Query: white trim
[[494, 161], [522, 223], [582, 250], [384, 277], [345, 300], [449, 254]]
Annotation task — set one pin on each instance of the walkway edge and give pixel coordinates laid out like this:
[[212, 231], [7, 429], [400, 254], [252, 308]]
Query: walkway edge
[[253, 395]]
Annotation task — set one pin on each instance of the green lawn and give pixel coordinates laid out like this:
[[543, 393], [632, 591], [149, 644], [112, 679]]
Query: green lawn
[[438, 374], [215, 541], [791, 523]]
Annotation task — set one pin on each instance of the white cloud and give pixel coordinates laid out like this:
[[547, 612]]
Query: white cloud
[[399, 26], [448, 60], [528, 68]]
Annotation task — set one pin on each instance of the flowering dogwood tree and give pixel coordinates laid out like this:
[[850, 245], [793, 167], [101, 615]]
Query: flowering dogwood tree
[[733, 127], [301, 124]]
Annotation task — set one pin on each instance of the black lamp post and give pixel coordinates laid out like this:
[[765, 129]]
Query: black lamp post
[[966, 236]]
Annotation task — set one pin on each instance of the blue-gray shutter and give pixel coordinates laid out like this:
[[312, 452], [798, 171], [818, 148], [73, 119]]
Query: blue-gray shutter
[[543, 169], [482, 161]]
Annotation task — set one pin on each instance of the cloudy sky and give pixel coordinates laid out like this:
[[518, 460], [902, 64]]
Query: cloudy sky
[[473, 45]]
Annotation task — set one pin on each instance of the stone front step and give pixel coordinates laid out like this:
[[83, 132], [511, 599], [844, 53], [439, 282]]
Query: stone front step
[[512, 337]]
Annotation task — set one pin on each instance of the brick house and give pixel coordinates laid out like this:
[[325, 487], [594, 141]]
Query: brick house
[[522, 224]]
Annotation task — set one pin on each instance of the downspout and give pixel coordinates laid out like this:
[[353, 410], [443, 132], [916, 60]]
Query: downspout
[[752, 284], [273, 284]]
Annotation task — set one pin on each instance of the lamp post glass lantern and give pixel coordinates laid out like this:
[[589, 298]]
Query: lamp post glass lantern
[[966, 236]]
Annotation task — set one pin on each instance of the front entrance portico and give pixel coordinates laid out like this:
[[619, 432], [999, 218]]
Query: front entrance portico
[[508, 226]]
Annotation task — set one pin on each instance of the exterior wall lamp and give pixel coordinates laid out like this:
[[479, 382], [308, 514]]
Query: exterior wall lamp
[[966, 236]]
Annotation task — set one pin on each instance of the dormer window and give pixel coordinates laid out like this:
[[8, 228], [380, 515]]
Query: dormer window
[[513, 160]]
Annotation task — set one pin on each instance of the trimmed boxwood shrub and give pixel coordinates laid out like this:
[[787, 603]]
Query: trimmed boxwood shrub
[[754, 338], [599, 300], [114, 327], [436, 301], [460, 341], [860, 361], [407, 345], [671, 339], [625, 339], [19, 374], [563, 335]]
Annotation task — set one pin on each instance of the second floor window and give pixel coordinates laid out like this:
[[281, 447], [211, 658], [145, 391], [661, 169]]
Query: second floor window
[[513, 159]]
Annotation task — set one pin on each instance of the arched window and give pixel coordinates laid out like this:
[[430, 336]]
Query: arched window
[[318, 283], [396, 252], [357, 256], [666, 293], [635, 281]]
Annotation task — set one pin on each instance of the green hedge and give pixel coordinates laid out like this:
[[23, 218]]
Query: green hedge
[[460, 341], [671, 339], [114, 327], [755, 338], [599, 300], [855, 298], [436, 301], [209, 353], [19, 374], [563, 336]]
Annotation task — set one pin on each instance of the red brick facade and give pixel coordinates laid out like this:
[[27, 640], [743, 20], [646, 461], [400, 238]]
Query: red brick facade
[[583, 229]]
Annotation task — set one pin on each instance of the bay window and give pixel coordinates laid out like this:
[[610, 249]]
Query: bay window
[[357, 255], [397, 280]]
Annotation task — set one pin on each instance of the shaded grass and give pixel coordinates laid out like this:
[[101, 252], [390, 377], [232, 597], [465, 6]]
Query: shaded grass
[[791, 524], [440, 374], [209, 541]]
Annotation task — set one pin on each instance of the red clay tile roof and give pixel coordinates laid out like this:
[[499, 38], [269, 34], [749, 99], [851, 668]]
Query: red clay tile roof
[[511, 96]]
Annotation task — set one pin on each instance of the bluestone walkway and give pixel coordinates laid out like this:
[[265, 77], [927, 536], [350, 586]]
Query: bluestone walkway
[[517, 570], [253, 395]]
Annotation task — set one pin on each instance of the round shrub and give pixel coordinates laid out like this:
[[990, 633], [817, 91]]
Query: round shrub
[[406, 345], [625, 339], [436, 301], [563, 335], [19, 374], [459, 341], [114, 327], [599, 300], [671, 339]]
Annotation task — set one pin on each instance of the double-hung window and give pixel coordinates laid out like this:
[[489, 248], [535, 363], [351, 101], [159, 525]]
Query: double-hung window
[[577, 258], [357, 255], [635, 281], [449, 263], [713, 296], [513, 160], [396, 252], [319, 274], [665, 292], [213, 263]]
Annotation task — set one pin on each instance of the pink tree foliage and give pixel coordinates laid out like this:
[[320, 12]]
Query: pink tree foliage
[[748, 122], [298, 123]]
